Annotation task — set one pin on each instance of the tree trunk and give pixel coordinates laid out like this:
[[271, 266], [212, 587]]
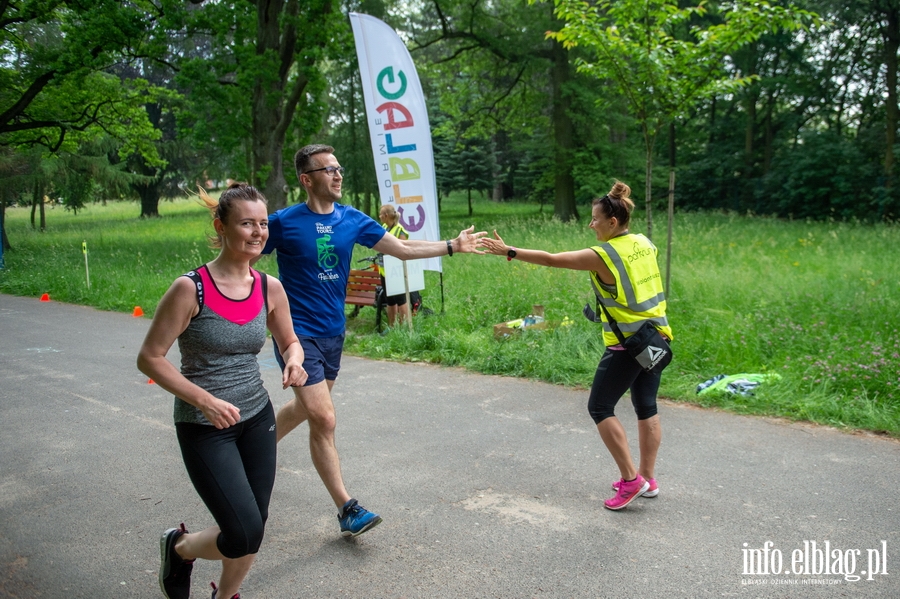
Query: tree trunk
[[269, 103], [268, 141], [37, 204], [149, 195], [34, 202], [267, 155], [672, 146], [277, 42], [43, 209], [891, 45], [564, 183], [4, 240], [749, 132], [469, 194], [149, 192], [367, 206], [648, 184]]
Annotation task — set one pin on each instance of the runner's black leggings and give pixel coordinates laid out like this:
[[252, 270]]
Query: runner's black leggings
[[616, 373], [233, 470]]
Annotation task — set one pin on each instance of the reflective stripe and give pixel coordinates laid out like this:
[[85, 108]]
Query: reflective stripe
[[396, 230], [622, 275], [595, 283], [630, 298], [635, 307], [637, 275], [632, 327]]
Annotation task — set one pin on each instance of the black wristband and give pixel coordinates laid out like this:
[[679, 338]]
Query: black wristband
[[449, 247]]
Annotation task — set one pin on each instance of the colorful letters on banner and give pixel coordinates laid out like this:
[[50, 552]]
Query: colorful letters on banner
[[398, 128]]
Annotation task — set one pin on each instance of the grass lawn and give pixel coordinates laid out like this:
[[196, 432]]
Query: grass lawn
[[816, 303]]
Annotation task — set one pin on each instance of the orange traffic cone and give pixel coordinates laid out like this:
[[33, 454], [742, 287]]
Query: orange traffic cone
[[137, 312], [45, 297], [150, 382]]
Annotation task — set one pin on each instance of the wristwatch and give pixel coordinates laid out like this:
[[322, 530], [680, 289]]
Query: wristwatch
[[511, 253]]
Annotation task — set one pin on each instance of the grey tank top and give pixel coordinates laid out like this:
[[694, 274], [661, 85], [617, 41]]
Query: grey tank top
[[220, 356]]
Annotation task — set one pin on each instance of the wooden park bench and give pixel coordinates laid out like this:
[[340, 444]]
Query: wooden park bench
[[364, 289]]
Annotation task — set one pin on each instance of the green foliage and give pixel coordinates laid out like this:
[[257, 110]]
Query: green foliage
[[661, 56], [816, 177], [217, 115], [486, 63], [664, 58], [54, 91], [254, 83]]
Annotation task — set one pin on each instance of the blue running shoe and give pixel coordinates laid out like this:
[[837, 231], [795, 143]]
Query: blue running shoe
[[355, 519]]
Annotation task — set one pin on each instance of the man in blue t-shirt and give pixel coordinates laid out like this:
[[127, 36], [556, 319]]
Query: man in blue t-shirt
[[314, 243]]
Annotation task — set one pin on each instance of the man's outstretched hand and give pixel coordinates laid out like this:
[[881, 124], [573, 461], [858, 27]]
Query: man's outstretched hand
[[467, 241]]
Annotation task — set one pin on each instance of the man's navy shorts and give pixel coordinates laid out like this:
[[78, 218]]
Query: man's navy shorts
[[321, 357]]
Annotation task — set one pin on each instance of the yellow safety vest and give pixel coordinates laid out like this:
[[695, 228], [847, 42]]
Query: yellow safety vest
[[397, 230], [638, 295]]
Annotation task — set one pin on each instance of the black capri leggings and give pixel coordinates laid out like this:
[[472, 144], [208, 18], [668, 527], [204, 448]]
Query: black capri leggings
[[393, 300], [616, 373], [233, 470]]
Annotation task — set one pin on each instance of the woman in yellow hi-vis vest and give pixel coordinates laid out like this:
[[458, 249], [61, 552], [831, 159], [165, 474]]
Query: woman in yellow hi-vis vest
[[626, 281], [397, 309]]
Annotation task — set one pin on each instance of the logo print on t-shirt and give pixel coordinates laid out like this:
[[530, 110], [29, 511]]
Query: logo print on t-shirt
[[325, 253]]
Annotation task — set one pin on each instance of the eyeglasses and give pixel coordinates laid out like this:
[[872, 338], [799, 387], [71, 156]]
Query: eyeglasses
[[329, 170]]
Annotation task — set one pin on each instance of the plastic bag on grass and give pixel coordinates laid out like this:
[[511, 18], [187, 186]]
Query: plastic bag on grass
[[736, 384]]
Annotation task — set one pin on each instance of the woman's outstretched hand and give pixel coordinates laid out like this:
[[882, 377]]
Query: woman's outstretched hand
[[494, 245]]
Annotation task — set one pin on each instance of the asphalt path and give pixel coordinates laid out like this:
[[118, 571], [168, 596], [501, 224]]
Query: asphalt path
[[488, 486]]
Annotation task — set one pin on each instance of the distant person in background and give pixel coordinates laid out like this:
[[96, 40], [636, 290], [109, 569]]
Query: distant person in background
[[314, 243], [223, 417], [626, 280], [397, 308]]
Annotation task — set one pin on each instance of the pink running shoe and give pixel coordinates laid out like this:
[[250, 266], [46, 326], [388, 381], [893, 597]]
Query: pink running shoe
[[653, 491], [628, 492]]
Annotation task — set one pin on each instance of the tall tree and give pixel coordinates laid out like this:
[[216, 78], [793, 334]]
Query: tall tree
[[56, 91], [53, 58], [347, 131], [662, 57], [888, 14], [501, 76], [818, 129], [257, 81], [470, 168]]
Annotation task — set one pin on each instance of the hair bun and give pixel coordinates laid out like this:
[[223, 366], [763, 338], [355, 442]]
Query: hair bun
[[619, 191]]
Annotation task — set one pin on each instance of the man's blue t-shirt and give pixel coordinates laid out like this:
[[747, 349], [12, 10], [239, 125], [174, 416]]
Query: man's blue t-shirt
[[314, 252]]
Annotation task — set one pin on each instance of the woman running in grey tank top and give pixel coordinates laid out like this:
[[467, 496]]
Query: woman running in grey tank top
[[224, 420]]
